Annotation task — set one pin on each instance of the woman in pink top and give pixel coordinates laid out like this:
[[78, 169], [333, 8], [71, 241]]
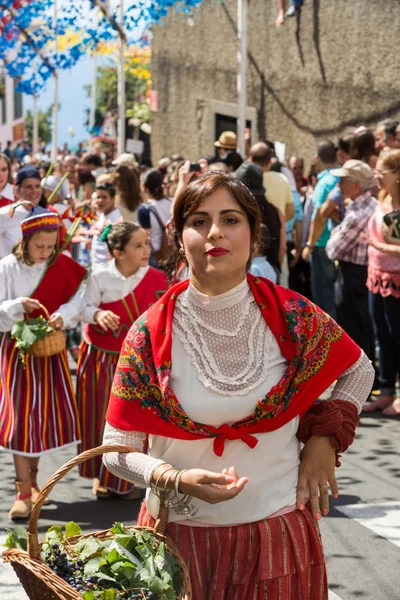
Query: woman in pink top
[[384, 284]]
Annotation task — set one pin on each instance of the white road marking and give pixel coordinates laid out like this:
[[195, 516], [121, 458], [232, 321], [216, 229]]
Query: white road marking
[[383, 519], [333, 596]]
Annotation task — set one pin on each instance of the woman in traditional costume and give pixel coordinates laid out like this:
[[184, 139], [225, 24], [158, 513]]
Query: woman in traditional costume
[[38, 411], [218, 383], [116, 294]]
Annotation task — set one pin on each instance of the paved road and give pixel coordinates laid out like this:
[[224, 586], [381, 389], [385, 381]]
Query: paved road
[[361, 534]]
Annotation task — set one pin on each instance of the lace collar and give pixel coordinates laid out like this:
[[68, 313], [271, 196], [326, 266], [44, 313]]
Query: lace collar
[[225, 300]]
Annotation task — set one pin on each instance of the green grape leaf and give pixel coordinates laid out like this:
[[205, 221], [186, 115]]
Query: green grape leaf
[[72, 529], [17, 538], [93, 565], [104, 576], [89, 595], [87, 548], [108, 595], [119, 528]]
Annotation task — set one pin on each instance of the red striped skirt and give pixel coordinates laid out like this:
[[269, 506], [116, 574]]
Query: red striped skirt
[[280, 558], [38, 410], [94, 377]]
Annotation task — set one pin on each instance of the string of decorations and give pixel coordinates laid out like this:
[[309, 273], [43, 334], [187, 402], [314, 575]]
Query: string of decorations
[[33, 48]]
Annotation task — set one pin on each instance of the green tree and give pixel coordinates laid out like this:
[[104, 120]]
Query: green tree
[[107, 92], [44, 121]]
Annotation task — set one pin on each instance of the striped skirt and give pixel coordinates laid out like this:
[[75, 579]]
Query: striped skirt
[[38, 410], [95, 373], [280, 558]]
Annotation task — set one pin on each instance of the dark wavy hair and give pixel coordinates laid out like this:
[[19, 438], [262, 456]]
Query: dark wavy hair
[[193, 195]]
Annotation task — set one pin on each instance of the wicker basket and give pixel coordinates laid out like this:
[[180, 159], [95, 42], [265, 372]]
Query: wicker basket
[[53, 343], [39, 581]]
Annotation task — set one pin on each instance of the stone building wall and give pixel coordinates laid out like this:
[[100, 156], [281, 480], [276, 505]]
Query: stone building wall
[[335, 68]]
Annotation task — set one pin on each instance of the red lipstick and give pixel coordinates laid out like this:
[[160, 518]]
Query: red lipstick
[[217, 252]]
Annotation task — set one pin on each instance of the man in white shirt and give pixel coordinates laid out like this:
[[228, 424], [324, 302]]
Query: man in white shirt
[[28, 189], [104, 205]]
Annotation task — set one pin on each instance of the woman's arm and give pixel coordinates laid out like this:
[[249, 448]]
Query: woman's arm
[[136, 467], [355, 384], [392, 249], [141, 469]]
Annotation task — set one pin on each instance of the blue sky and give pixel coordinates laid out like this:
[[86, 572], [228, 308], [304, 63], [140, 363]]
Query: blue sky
[[72, 98]]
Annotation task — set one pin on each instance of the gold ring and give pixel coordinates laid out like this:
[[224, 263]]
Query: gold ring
[[325, 485]]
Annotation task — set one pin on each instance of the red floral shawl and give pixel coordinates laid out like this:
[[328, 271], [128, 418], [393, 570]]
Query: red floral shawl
[[316, 348]]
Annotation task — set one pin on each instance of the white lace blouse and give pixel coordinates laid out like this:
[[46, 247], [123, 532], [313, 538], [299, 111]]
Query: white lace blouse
[[224, 358]]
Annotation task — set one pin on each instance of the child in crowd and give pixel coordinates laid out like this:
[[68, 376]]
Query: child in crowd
[[104, 205], [117, 293], [38, 411], [260, 265]]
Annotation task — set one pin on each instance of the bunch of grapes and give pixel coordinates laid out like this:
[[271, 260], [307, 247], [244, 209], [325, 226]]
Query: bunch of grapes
[[59, 561], [73, 573]]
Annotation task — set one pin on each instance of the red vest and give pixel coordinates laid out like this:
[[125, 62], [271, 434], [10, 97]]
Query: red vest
[[153, 285], [59, 284]]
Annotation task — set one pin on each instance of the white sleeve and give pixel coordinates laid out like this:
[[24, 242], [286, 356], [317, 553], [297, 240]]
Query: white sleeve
[[10, 312], [356, 383], [135, 467], [91, 299]]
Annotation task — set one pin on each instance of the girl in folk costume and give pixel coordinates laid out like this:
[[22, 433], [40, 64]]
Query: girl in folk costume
[[38, 411], [220, 377], [6, 188], [116, 294]]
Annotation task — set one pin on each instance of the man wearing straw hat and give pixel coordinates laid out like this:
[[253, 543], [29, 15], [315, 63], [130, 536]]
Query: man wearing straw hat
[[226, 143], [28, 189]]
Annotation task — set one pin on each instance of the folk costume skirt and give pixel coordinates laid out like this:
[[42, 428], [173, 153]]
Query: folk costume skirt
[[94, 377], [38, 411], [280, 558]]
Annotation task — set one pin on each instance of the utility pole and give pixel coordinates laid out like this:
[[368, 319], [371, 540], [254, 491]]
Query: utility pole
[[242, 74], [54, 146], [93, 97], [35, 136], [121, 85]]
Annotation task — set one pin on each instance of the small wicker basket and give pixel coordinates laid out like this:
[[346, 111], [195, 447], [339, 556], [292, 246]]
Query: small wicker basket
[[39, 581], [53, 343]]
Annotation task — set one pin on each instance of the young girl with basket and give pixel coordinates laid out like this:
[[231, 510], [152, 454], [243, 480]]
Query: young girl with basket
[[38, 411], [216, 384], [116, 294]]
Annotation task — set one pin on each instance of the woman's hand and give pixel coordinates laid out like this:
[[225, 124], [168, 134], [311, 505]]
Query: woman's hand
[[106, 319], [371, 242], [30, 304], [56, 321], [317, 473], [212, 487]]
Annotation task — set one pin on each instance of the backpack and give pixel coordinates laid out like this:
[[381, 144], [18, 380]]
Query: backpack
[[164, 252]]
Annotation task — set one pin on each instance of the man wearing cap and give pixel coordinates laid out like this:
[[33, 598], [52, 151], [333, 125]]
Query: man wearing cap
[[28, 189], [351, 251], [226, 143]]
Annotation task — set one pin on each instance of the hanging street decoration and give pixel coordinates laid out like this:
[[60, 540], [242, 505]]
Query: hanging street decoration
[[33, 47]]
